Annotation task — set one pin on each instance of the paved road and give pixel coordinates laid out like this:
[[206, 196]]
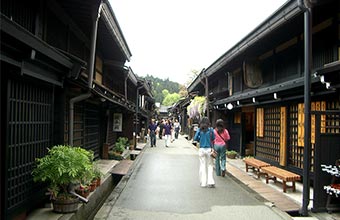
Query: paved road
[[164, 184]]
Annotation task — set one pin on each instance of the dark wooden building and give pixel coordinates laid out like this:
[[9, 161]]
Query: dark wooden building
[[63, 81], [258, 88]]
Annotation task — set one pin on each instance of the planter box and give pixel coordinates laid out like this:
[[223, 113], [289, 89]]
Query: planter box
[[65, 205]]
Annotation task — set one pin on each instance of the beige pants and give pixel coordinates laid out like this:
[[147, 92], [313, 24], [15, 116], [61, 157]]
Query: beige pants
[[206, 170]]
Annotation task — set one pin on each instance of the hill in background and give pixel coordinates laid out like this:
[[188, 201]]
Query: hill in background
[[158, 85]]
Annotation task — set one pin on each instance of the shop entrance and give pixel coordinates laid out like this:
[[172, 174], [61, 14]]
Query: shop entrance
[[248, 128]]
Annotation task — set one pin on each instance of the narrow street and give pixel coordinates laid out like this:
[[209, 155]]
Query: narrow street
[[163, 184]]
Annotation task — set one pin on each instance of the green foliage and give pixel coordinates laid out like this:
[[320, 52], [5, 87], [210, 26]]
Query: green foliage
[[120, 144], [113, 155], [97, 173], [158, 85], [170, 99], [196, 108], [165, 92], [231, 152], [63, 165]]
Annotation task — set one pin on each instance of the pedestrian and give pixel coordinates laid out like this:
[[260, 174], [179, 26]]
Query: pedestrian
[[167, 129], [177, 127], [220, 145], [161, 126], [152, 131], [205, 135]]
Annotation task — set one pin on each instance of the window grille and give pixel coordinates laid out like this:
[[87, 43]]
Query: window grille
[[268, 146], [29, 136]]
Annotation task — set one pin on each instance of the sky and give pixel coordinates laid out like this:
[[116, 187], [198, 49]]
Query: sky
[[171, 38]]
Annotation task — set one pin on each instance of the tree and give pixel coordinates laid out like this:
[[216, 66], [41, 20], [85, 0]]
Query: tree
[[165, 93], [158, 85], [183, 92], [170, 99], [192, 76]]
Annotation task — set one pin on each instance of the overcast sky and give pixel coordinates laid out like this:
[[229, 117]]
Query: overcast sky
[[170, 38]]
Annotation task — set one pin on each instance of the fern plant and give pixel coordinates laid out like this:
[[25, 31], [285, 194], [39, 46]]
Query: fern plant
[[120, 144], [61, 166]]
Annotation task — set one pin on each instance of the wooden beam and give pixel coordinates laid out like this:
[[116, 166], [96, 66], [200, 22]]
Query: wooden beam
[[33, 42]]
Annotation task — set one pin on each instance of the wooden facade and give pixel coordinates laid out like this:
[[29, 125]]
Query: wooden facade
[[49, 50], [261, 80]]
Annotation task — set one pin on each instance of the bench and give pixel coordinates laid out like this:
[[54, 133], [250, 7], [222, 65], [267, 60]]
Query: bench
[[134, 154], [273, 172], [122, 167], [140, 146], [256, 165]]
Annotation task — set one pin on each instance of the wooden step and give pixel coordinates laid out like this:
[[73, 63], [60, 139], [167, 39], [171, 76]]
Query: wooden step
[[122, 167]]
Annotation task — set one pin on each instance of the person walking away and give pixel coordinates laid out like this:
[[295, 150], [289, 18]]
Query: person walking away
[[172, 130], [205, 135], [221, 138], [161, 127], [177, 126], [152, 130], [167, 132]]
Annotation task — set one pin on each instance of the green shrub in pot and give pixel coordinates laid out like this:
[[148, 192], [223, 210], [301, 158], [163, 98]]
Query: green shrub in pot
[[61, 166]]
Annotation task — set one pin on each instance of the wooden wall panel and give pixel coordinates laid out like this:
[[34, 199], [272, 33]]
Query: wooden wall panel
[[283, 136], [323, 117], [259, 122], [301, 125]]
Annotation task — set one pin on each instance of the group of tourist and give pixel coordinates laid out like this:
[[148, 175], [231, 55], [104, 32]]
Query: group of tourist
[[165, 128], [210, 140]]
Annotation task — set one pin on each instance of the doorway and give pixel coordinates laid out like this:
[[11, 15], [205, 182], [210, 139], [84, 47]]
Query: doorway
[[248, 129]]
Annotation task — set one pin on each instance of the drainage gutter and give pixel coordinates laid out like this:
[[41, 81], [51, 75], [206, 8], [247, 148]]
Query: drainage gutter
[[307, 89]]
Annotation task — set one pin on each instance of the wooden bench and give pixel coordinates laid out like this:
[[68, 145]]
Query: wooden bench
[[134, 154], [256, 165], [122, 167], [273, 172], [140, 146]]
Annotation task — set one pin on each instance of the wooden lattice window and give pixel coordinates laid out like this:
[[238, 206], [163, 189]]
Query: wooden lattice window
[[30, 133], [295, 152], [259, 122], [268, 146], [330, 123]]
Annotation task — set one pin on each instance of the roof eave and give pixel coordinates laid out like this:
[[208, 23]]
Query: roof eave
[[115, 30], [286, 12]]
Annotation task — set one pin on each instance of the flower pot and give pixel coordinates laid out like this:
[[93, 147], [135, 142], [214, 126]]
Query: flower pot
[[115, 155], [65, 205], [231, 156], [92, 186], [83, 192], [98, 182]]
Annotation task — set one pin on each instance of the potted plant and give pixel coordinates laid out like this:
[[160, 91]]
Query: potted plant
[[83, 190], [118, 149], [60, 168], [88, 179], [97, 175], [231, 154]]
